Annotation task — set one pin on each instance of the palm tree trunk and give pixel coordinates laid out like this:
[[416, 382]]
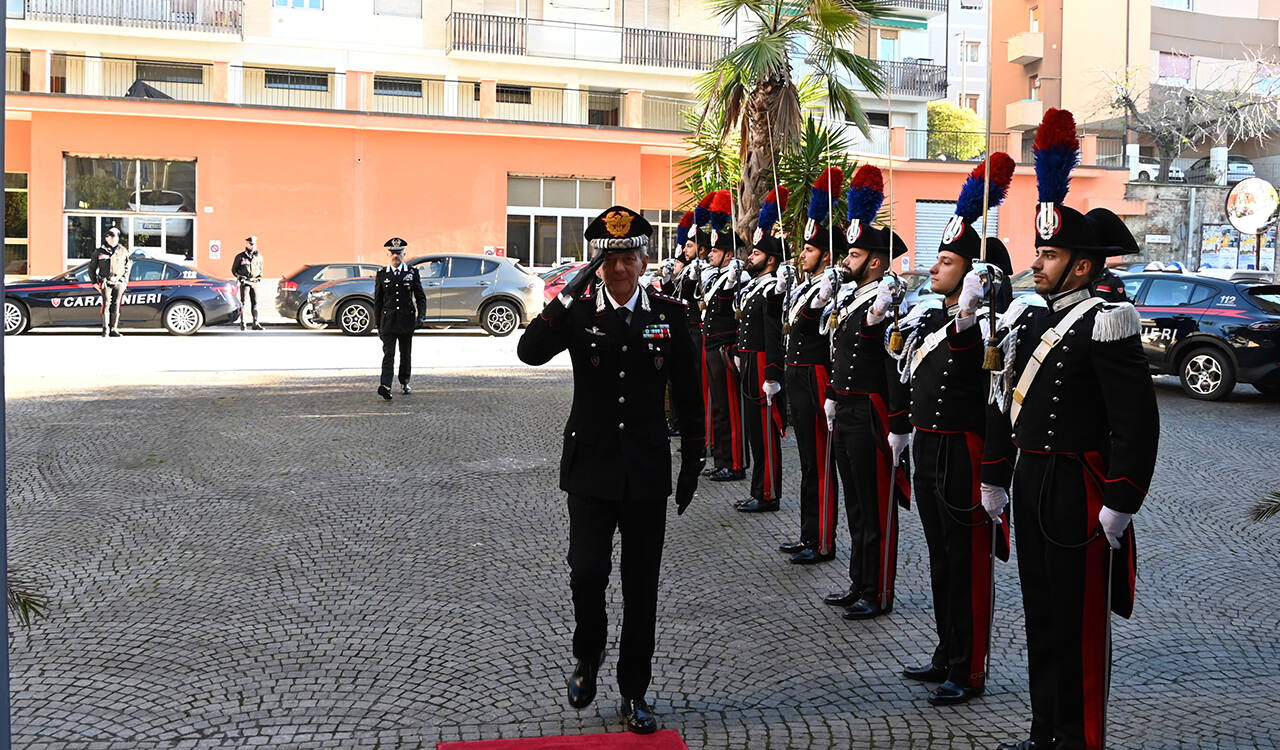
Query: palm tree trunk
[[761, 146]]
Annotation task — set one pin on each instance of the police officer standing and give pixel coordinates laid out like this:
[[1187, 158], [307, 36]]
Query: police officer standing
[[109, 273], [1078, 412], [626, 344], [247, 268], [399, 308]]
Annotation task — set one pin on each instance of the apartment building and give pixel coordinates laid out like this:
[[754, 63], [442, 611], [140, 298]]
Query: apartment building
[[968, 53]]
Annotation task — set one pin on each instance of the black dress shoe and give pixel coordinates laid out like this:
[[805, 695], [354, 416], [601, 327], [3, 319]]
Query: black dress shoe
[[927, 673], [792, 547], [385, 392], [709, 471], [673, 431], [638, 716], [1024, 745], [582, 683], [863, 609], [951, 693], [811, 557], [727, 475], [841, 599], [759, 506]]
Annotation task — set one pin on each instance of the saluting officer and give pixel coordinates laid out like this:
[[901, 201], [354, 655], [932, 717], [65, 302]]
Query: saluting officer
[[808, 357], [109, 273], [865, 405], [399, 308], [1077, 400], [626, 344], [943, 365], [247, 268], [720, 280]]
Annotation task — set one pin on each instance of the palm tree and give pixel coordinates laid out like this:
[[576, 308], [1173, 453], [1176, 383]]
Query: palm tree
[[752, 90], [712, 163]]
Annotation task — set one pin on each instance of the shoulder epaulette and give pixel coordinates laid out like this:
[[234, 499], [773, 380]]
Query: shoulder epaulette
[[1019, 307], [1115, 321], [665, 298]]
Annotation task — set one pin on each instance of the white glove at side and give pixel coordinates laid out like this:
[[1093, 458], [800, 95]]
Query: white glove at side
[[897, 444], [770, 389], [829, 407], [993, 501], [971, 292], [1113, 525]]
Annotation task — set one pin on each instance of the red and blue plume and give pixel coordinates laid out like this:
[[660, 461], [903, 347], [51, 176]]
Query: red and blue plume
[[702, 212], [969, 205], [1057, 149], [682, 229], [774, 204], [721, 209], [866, 194], [825, 191]]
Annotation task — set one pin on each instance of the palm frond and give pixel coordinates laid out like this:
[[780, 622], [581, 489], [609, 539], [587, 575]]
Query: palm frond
[[1267, 507], [831, 21], [819, 147], [26, 602], [727, 10]]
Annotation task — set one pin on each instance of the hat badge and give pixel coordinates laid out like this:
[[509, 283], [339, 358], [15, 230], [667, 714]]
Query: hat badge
[[854, 232], [1048, 220], [715, 236], [617, 223], [396, 242], [759, 235], [953, 230], [810, 229]]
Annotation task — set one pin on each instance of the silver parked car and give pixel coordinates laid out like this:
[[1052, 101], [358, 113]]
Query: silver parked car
[[497, 294], [1238, 168]]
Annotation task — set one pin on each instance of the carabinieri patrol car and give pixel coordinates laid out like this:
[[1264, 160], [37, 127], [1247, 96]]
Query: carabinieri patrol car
[[160, 293]]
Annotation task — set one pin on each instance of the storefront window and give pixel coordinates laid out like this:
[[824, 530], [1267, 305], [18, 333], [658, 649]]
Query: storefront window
[[152, 201], [546, 217], [15, 222]]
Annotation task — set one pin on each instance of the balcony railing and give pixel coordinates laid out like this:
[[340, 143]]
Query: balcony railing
[[932, 6], [510, 35], [17, 71], [915, 78], [953, 145], [216, 16]]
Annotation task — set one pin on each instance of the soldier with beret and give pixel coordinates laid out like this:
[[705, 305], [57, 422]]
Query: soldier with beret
[[865, 406], [399, 308], [721, 279], [109, 273], [942, 363], [626, 345], [247, 268], [1075, 438]]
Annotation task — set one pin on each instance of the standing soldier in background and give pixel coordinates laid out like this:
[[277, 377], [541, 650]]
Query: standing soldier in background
[[247, 268], [683, 285], [759, 306], [109, 273], [943, 365], [1077, 410], [862, 406], [719, 283], [399, 308], [808, 359]]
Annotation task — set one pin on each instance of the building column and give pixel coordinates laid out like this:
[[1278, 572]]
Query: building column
[[91, 85], [1089, 150], [41, 63], [451, 95], [1013, 145], [488, 98], [1132, 153], [898, 141], [221, 74], [634, 103], [573, 113], [357, 90], [235, 82]]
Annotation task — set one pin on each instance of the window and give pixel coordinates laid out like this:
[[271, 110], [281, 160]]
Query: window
[[969, 52], [388, 86], [971, 4], [287, 79], [15, 222], [368, 272], [312, 4], [880, 119], [888, 45], [603, 107], [459, 267], [1175, 69], [1033, 22], [148, 270], [510, 94], [433, 269], [330, 273], [152, 201], [1132, 286], [970, 101], [1177, 293], [16, 9], [408, 8], [167, 73], [1179, 4], [1034, 93], [546, 216]]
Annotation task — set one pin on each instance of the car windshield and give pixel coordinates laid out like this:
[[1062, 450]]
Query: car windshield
[[1024, 280], [1267, 297]]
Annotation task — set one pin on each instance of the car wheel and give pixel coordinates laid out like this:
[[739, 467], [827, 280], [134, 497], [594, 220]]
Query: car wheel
[[1207, 374], [499, 318], [307, 318], [183, 318], [356, 318], [15, 317]]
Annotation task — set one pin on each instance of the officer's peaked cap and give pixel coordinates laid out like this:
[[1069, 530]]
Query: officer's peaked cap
[[618, 229], [396, 245]]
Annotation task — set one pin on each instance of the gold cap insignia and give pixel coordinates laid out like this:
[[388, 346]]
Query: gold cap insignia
[[617, 223]]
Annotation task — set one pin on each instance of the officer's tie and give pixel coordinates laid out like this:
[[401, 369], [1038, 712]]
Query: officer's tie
[[625, 315]]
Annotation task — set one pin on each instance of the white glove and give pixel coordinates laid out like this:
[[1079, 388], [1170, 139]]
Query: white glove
[[770, 389], [898, 443], [827, 287], [829, 407], [1113, 525], [884, 297], [565, 300], [993, 501], [971, 292]]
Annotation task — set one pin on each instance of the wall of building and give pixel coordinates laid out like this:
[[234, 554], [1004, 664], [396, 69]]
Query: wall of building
[[1169, 213], [1100, 40]]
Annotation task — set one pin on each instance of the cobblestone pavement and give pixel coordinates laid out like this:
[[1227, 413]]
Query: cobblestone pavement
[[294, 563]]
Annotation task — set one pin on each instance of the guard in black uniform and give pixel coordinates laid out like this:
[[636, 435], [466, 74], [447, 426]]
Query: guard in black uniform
[[719, 283], [1078, 411], [866, 403], [247, 268], [685, 274], [943, 364], [808, 358], [399, 308], [758, 306], [109, 273], [626, 345]]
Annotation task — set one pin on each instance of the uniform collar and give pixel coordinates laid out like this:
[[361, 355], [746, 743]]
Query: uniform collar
[[397, 269], [630, 304], [1067, 300]]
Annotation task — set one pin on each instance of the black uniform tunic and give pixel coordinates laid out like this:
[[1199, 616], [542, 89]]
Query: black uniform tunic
[[808, 358], [759, 305], [399, 306], [725, 435]]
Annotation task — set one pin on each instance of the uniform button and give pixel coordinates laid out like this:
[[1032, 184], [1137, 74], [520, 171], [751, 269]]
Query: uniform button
[[939, 400], [1055, 399], [622, 399], [950, 361], [935, 427], [1048, 447], [1053, 416], [937, 414], [621, 425], [1059, 365], [1066, 348], [942, 388], [1070, 331], [573, 434], [1050, 433], [624, 347], [622, 374]]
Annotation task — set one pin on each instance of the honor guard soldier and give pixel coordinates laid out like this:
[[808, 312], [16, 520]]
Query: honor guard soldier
[[863, 403], [943, 365], [758, 304], [1077, 409], [247, 268], [626, 345], [399, 308], [808, 360], [109, 273], [720, 282], [685, 275]]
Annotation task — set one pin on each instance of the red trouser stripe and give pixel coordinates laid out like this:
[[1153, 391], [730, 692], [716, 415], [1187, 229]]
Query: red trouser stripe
[[770, 437], [1095, 623], [735, 406], [826, 466], [884, 490], [981, 566]]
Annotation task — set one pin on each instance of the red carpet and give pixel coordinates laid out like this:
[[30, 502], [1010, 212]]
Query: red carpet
[[667, 739]]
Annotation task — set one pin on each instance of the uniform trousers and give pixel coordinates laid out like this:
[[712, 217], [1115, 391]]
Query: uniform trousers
[[389, 343], [728, 447], [112, 298], [764, 429], [866, 471], [249, 300], [806, 385], [641, 523]]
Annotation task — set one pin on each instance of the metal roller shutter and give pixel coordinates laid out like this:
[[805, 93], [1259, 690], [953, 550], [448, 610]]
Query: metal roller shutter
[[931, 220]]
